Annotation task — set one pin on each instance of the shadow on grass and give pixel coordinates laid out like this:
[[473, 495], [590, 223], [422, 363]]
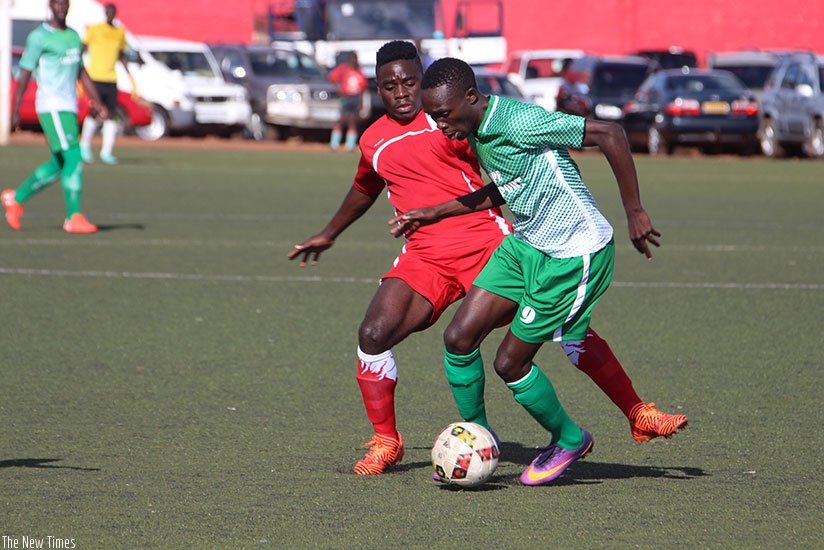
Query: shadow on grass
[[40, 463], [116, 227]]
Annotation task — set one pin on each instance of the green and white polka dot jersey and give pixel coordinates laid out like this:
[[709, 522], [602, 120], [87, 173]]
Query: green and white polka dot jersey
[[54, 56], [525, 150]]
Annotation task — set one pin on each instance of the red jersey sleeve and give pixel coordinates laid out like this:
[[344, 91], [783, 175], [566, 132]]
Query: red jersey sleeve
[[367, 180]]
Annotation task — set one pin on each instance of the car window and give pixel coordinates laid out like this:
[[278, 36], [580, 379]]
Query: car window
[[753, 76], [547, 67], [614, 78], [283, 63], [189, 63], [697, 84], [790, 76], [492, 84]]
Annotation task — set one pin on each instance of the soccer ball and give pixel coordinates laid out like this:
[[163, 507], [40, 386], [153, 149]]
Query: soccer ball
[[465, 454]]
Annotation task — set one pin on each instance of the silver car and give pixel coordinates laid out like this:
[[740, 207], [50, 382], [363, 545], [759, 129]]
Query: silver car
[[792, 107]]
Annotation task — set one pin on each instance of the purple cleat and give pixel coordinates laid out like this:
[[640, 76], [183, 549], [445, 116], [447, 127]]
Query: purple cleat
[[553, 460]]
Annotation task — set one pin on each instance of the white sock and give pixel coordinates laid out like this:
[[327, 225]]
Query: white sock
[[89, 130], [109, 133]]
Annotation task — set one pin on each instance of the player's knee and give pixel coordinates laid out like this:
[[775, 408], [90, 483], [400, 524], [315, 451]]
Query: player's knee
[[374, 337], [508, 368], [458, 341]]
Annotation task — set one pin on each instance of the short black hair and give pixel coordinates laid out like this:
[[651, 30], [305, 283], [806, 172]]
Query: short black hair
[[397, 50], [450, 72]]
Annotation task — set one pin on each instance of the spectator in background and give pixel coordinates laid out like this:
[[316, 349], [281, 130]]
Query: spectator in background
[[106, 44], [351, 84]]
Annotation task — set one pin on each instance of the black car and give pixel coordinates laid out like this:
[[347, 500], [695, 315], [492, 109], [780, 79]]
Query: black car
[[599, 86], [708, 108]]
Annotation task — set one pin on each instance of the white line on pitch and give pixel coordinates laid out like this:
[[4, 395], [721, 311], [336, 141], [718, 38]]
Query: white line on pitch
[[281, 279]]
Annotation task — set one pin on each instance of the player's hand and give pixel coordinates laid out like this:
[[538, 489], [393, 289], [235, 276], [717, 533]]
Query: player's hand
[[406, 224], [14, 123], [641, 232], [101, 113], [312, 246]]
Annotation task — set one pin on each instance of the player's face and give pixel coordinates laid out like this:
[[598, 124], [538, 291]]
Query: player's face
[[60, 9], [451, 110], [399, 85]]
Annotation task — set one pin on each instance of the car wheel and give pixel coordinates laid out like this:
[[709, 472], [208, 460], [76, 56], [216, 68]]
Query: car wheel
[[657, 143], [157, 128], [769, 141], [814, 146]]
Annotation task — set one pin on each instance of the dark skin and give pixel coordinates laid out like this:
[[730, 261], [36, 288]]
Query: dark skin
[[396, 311], [59, 8], [459, 113]]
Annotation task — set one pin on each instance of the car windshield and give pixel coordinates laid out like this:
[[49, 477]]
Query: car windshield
[[381, 19], [698, 84], [611, 78], [753, 76], [547, 67], [283, 63], [189, 63]]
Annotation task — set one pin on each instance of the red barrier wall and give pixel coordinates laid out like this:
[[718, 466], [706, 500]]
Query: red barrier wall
[[602, 26]]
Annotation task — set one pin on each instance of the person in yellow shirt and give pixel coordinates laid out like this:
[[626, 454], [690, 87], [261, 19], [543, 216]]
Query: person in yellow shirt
[[106, 44]]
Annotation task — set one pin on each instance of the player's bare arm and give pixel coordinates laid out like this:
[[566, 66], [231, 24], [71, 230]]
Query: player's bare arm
[[22, 83], [483, 199], [611, 139], [354, 205]]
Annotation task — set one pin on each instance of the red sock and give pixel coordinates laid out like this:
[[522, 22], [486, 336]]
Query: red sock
[[377, 378], [594, 358]]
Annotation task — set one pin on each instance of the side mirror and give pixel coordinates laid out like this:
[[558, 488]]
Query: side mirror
[[239, 73]]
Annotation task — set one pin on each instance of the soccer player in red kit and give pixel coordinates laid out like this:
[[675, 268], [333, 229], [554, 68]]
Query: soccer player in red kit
[[404, 152]]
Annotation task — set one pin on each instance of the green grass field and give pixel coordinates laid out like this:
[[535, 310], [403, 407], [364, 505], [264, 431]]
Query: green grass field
[[174, 382]]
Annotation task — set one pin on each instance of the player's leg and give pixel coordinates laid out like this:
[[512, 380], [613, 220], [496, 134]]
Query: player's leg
[[108, 94], [43, 176], [478, 315], [593, 356], [533, 390], [66, 130], [90, 127], [395, 312]]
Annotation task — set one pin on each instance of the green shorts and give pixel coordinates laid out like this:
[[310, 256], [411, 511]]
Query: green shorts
[[61, 130], [555, 296]]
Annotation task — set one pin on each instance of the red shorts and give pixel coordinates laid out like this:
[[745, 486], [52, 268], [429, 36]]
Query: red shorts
[[441, 280]]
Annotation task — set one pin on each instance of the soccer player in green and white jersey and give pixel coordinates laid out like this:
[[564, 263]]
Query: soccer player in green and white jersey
[[553, 269], [54, 50]]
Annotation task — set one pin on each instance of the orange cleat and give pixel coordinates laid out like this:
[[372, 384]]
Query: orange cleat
[[383, 452], [78, 224], [14, 210], [647, 422]]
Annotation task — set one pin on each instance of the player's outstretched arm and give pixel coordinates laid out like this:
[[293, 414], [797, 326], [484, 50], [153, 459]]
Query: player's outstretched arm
[[354, 205], [483, 199], [612, 141]]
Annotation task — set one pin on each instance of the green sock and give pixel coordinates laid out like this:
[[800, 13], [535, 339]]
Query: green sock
[[72, 180], [535, 393], [465, 374], [43, 176]]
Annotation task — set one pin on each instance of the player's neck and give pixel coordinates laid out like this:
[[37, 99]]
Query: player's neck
[[59, 25]]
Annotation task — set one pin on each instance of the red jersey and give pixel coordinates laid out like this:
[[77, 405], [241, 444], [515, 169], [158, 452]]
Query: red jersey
[[421, 167], [350, 81]]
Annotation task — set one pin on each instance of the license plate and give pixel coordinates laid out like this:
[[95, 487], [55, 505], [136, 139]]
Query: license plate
[[715, 107]]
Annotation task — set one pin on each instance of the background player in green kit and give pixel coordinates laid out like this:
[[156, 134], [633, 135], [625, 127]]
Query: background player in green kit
[[551, 272], [54, 50]]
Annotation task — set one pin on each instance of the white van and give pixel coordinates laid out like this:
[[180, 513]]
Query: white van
[[181, 78], [193, 97]]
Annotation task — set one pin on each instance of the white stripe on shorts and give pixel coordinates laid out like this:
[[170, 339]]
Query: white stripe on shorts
[[58, 128], [579, 299]]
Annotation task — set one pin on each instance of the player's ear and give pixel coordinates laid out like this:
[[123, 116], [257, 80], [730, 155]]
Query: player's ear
[[472, 96]]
